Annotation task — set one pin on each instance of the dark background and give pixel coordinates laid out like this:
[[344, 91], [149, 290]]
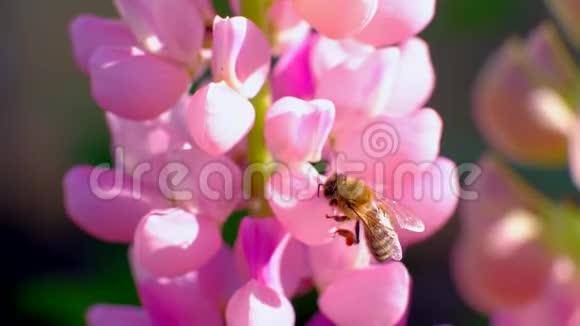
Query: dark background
[[51, 271]]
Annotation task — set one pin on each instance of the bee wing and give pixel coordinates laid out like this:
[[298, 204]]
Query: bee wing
[[405, 218], [380, 234], [397, 250]]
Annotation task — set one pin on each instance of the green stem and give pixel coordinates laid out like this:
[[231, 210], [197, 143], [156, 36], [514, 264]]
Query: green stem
[[256, 10], [258, 155]]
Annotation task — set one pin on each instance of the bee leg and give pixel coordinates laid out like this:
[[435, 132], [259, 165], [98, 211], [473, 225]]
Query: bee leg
[[347, 234], [357, 232], [338, 218], [318, 191]]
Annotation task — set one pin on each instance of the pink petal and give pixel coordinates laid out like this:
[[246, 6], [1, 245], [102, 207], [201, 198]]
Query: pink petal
[[256, 304], [137, 142], [217, 279], [173, 242], [360, 89], [257, 239], [296, 130], [212, 186], [499, 261], [319, 320], [329, 18], [519, 117], [333, 260], [558, 305], [241, 55], [385, 286], [574, 150], [288, 26], [415, 81], [116, 315], [103, 204], [178, 301], [432, 201], [180, 28], [328, 53], [396, 21], [138, 15], [205, 8], [218, 118], [133, 85], [389, 146], [292, 75], [293, 198], [267, 253], [90, 32]]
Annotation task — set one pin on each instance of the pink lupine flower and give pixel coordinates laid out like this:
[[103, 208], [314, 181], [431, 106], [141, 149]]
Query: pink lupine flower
[[265, 251], [332, 260], [111, 214], [292, 75], [218, 118], [415, 76], [360, 89], [289, 29], [328, 53], [328, 16], [241, 55], [173, 242], [140, 67], [175, 182], [396, 21], [499, 261], [261, 301], [519, 85], [178, 300], [296, 130], [558, 305], [109, 203], [385, 286]]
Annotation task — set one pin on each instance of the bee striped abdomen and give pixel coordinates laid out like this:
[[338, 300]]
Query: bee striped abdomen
[[382, 243]]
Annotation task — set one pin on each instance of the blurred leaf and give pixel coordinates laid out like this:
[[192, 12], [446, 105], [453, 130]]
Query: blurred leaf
[[305, 306], [471, 16], [222, 8], [231, 226]]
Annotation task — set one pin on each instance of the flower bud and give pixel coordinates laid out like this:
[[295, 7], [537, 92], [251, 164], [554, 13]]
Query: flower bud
[[519, 115], [499, 261]]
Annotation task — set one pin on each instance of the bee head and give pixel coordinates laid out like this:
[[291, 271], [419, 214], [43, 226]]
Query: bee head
[[330, 186]]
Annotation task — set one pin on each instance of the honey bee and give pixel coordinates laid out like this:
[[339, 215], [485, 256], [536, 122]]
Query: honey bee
[[356, 201]]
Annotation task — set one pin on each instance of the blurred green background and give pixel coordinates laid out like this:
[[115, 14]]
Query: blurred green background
[[52, 271]]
